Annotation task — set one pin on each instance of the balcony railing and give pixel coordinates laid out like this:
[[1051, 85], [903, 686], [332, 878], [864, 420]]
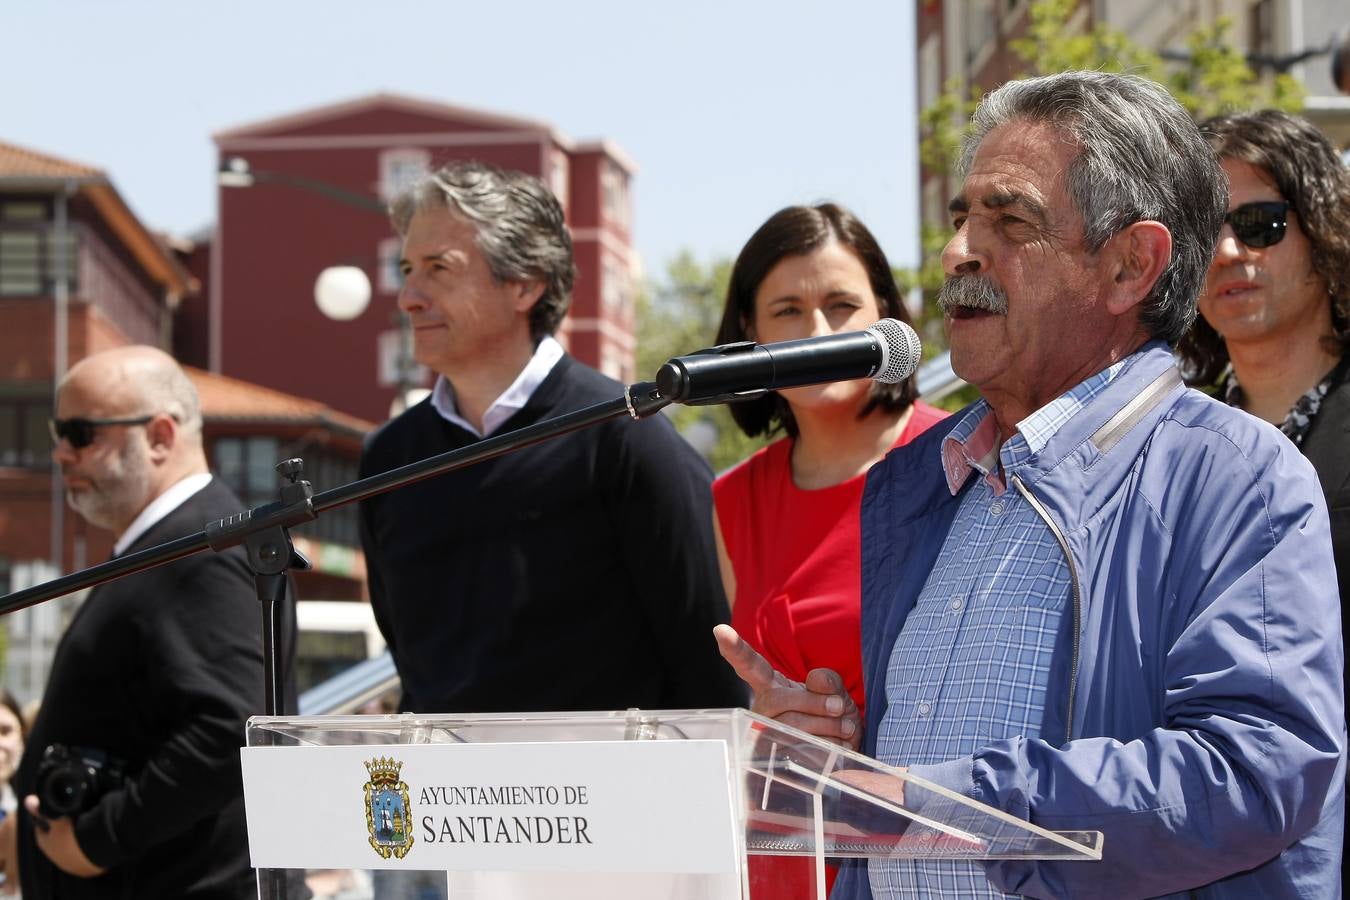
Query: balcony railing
[[29, 267]]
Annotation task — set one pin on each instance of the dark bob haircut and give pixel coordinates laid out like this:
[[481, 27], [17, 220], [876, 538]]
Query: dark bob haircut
[[797, 231], [1308, 172], [7, 700]]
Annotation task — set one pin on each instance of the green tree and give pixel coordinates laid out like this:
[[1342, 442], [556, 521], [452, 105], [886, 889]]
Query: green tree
[[1051, 46], [1213, 78], [680, 314]]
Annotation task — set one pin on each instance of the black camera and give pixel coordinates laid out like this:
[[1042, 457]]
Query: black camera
[[71, 779]]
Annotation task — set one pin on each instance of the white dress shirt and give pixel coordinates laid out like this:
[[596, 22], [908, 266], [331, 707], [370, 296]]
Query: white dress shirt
[[546, 356], [160, 507]]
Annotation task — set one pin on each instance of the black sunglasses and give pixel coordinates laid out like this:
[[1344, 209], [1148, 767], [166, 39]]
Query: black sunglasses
[[80, 432], [1260, 224]]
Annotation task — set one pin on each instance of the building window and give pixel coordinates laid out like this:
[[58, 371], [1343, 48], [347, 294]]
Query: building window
[[615, 290], [29, 260], [400, 169], [930, 71], [557, 178], [614, 185], [24, 439], [611, 362], [326, 471], [20, 263], [394, 363], [935, 212], [390, 279], [248, 466], [980, 25], [320, 655], [23, 211], [610, 292], [1261, 23]]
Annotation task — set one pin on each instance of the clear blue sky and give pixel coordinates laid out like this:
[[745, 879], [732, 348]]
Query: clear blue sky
[[731, 109]]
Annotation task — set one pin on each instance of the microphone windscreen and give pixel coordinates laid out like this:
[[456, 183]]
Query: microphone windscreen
[[901, 351]]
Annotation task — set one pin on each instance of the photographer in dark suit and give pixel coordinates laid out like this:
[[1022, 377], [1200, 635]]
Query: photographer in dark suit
[[156, 673]]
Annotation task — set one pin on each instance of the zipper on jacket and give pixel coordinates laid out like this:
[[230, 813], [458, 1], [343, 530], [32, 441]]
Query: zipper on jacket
[[1077, 595]]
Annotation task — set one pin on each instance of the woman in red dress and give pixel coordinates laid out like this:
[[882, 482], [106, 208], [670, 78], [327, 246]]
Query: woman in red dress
[[787, 518]]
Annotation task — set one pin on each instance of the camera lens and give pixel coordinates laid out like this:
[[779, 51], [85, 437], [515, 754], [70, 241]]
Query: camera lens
[[69, 780], [63, 793]]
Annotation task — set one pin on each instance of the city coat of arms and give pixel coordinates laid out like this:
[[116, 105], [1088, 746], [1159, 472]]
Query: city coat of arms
[[388, 809]]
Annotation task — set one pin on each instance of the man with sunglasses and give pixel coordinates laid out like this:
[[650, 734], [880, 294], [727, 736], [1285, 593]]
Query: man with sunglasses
[[1274, 332], [157, 671]]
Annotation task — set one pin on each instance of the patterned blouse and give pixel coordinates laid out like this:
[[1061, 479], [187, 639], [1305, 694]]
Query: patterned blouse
[[1299, 420]]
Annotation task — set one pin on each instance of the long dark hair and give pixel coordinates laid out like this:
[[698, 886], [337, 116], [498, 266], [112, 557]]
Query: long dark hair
[[1308, 172], [11, 704], [797, 231]]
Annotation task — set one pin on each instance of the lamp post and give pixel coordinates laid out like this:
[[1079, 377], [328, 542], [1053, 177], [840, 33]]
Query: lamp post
[[342, 292]]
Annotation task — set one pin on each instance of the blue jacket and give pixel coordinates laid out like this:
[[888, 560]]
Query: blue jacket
[[1198, 722]]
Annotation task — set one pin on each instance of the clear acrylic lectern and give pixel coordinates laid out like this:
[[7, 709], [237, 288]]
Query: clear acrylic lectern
[[660, 804]]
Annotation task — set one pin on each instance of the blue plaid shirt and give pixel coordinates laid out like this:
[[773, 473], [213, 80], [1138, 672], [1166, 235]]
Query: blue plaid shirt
[[973, 658]]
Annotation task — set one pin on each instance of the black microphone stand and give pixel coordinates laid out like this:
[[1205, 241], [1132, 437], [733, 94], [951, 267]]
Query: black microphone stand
[[265, 531]]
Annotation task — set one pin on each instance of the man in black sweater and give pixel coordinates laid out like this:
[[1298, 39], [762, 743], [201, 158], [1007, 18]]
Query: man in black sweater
[[579, 574], [158, 671]]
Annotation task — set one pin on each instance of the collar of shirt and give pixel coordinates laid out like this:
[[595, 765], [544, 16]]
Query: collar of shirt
[[161, 506], [546, 356], [972, 446]]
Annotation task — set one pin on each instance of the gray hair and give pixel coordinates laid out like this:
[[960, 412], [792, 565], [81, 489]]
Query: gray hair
[[1141, 157], [519, 226]]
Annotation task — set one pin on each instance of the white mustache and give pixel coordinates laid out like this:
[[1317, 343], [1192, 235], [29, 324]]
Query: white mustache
[[973, 291]]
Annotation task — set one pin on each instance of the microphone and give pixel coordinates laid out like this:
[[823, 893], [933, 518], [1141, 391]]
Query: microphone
[[888, 352]]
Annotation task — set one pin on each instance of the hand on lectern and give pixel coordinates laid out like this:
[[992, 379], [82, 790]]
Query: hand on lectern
[[819, 706]]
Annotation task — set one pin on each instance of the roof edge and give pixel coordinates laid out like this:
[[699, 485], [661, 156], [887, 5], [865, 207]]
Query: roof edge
[[610, 149], [303, 117]]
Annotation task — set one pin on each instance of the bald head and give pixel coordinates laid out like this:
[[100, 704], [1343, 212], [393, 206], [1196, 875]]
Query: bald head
[[140, 381], [155, 440]]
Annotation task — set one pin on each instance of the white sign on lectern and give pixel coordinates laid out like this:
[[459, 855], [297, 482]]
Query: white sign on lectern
[[600, 806], [649, 806]]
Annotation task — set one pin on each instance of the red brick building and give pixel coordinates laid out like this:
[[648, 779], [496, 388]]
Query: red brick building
[[67, 241], [318, 181]]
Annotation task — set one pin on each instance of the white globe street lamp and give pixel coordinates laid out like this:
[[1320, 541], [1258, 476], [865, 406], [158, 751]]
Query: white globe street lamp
[[342, 292]]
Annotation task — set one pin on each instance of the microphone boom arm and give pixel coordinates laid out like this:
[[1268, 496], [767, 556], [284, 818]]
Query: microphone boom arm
[[639, 401]]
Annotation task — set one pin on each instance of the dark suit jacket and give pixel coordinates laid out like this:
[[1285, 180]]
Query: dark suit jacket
[[1327, 446], [159, 670]]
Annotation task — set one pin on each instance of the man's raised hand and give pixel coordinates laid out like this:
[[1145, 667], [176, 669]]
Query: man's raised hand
[[819, 706]]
